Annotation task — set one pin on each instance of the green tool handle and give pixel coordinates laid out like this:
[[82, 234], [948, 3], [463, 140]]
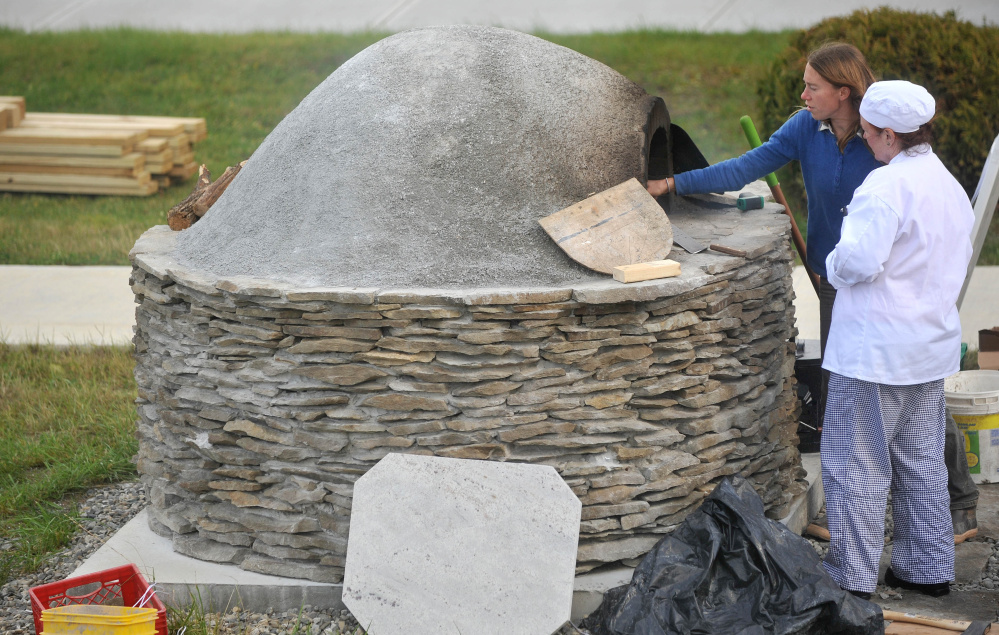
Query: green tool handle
[[754, 142]]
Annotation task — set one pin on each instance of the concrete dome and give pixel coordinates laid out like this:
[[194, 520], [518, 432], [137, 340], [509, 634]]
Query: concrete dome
[[426, 160]]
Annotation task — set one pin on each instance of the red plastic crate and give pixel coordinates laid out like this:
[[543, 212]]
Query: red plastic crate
[[120, 586]]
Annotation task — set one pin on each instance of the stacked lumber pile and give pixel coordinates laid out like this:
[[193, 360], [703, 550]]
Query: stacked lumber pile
[[94, 154]]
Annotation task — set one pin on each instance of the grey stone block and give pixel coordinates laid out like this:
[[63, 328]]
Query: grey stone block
[[455, 546]]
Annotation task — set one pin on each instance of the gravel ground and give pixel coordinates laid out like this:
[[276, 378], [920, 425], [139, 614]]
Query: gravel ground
[[107, 509]]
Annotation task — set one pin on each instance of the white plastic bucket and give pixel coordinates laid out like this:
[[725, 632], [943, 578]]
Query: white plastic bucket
[[973, 398]]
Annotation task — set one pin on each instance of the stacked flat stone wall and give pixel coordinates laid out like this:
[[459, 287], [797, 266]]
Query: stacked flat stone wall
[[260, 404]]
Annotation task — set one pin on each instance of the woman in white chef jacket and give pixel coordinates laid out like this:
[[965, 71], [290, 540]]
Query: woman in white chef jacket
[[895, 336]]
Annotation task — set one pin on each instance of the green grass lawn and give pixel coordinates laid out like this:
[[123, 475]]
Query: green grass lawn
[[243, 85], [67, 422]]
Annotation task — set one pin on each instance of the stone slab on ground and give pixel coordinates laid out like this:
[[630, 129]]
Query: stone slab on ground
[[590, 589], [970, 560], [460, 546], [988, 510], [807, 507], [180, 578]]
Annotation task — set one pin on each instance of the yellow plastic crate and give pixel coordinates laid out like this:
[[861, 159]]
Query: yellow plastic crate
[[98, 619]]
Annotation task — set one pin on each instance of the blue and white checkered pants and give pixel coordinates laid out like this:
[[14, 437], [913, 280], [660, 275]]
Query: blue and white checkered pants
[[875, 436]]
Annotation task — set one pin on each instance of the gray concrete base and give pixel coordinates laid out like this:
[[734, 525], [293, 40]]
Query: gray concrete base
[[807, 506], [181, 580], [589, 589]]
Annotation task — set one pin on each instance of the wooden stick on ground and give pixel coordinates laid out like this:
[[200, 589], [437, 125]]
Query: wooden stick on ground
[[958, 626]]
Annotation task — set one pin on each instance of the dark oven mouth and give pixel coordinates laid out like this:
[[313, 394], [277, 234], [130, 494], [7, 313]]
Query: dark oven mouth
[[659, 155], [670, 149]]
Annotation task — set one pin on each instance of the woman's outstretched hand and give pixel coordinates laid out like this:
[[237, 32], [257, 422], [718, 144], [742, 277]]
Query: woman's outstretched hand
[[658, 187]]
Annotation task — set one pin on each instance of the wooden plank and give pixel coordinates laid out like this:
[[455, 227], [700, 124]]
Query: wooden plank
[[56, 149], [731, 251], [138, 190], [48, 120], [69, 136], [183, 171], [134, 173], [134, 160], [195, 126], [16, 101], [903, 628], [153, 145], [8, 116], [180, 142], [926, 620], [28, 179], [11, 112], [647, 271], [906, 628], [159, 163], [620, 226]]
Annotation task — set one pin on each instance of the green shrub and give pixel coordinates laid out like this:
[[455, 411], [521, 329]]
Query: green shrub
[[957, 61]]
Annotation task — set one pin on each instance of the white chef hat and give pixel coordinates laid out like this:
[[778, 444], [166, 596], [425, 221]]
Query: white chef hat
[[899, 105]]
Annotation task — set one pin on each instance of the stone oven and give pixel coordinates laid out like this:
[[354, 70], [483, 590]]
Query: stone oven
[[375, 280]]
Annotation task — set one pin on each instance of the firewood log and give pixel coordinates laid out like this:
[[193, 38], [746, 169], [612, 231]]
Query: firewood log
[[210, 194], [202, 197]]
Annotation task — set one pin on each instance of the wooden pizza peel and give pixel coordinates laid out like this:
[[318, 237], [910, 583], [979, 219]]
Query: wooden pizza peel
[[623, 225]]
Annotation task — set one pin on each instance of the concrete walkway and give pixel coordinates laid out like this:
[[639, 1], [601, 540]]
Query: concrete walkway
[[66, 305], [557, 16]]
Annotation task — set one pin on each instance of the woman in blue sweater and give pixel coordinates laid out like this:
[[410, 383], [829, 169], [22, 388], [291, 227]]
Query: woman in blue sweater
[[823, 138]]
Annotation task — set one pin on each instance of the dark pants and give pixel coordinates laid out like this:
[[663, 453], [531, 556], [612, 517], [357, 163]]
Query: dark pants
[[963, 491], [827, 296]]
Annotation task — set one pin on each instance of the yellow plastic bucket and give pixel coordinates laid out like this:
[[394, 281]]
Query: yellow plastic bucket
[[973, 398], [98, 619]]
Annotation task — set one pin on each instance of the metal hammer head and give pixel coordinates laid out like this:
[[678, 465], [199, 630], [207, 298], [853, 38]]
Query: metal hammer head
[[978, 628]]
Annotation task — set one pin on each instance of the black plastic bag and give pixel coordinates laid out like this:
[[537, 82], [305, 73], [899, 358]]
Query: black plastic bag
[[728, 569]]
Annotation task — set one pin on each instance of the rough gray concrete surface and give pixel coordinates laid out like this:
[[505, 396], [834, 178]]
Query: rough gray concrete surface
[[427, 160]]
